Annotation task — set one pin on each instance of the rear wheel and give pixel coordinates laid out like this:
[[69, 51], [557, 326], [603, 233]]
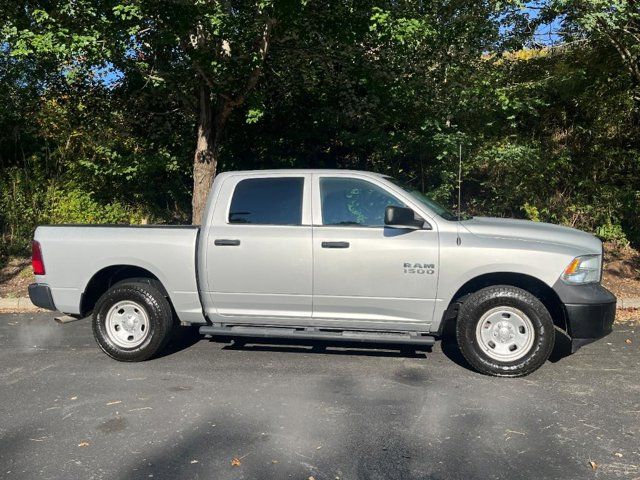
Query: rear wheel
[[132, 321], [504, 331]]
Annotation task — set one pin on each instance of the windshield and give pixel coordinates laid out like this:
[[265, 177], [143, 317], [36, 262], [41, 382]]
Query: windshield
[[423, 199]]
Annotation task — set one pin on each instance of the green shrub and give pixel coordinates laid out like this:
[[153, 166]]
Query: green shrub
[[78, 206], [531, 212], [613, 233], [22, 199], [30, 199]]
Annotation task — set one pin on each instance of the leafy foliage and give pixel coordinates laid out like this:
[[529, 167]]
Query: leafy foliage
[[99, 104]]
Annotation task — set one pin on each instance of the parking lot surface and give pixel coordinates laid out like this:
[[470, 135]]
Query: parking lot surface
[[214, 410]]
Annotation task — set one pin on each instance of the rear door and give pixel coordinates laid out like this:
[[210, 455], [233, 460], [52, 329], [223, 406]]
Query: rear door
[[258, 252], [364, 271]]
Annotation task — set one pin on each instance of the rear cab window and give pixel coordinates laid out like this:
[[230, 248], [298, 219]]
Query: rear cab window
[[267, 201]]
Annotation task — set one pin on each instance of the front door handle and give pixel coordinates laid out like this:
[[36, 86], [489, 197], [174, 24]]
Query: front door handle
[[335, 244], [223, 242]]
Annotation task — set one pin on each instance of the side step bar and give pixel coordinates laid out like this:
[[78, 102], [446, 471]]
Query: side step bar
[[397, 338]]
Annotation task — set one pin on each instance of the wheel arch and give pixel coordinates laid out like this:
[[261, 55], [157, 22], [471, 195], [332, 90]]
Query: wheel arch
[[529, 283], [105, 278]]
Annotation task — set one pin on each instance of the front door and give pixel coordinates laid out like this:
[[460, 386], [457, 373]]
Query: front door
[[364, 271], [259, 258]]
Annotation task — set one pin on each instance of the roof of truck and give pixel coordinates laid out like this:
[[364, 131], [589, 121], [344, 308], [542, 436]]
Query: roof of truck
[[303, 170]]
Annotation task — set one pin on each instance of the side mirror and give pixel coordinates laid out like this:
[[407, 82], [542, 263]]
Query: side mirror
[[402, 217]]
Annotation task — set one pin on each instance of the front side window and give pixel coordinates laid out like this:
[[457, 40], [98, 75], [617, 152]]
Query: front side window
[[350, 201], [268, 201]]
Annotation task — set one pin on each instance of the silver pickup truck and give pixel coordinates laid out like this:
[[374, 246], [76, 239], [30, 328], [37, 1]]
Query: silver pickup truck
[[331, 255]]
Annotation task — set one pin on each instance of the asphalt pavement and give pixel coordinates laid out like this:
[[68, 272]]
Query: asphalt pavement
[[214, 410]]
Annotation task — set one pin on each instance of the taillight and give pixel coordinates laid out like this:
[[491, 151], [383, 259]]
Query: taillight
[[36, 258]]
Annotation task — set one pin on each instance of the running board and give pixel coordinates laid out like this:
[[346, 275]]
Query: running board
[[310, 333]]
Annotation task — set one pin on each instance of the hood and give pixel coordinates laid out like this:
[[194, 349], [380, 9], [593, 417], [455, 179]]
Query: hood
[[533, 231]]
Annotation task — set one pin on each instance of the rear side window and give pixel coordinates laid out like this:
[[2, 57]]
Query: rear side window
[[268, 201]]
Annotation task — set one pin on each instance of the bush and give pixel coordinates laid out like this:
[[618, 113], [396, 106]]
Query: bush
[[613, 233], [78, 206], [30, 199], [22, 200]]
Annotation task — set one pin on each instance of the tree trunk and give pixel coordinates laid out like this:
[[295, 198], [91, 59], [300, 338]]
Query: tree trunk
[[205, 158], [211, 122]]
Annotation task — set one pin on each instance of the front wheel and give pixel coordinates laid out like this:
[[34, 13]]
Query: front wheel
[[504, 331], [132, 321]]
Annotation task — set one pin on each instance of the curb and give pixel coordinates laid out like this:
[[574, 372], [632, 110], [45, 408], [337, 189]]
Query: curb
[[18, 305], [628, 303], [23, 304]]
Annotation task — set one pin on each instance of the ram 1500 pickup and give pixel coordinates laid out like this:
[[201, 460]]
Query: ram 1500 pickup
[[330, 255]]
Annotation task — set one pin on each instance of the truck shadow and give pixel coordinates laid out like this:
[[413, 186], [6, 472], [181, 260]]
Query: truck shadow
[[182, 338], [186, 337], [562, 347], [322, 347]]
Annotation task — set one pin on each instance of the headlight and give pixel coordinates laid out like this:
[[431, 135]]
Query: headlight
[[583, 269]]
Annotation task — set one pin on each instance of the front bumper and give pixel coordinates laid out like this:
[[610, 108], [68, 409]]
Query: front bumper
[[40, 296], [589, 310], [588, 323]]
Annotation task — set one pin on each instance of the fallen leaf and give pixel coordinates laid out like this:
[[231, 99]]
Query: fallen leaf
[[83, 444], [115, 402], [593, 464], [628, 341], [618, 454], [235, 462]]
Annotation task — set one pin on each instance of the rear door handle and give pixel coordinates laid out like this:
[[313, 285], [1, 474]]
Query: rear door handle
[[335, 244], [223, 242]]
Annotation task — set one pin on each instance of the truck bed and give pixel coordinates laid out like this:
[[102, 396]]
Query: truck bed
[[74, 254]]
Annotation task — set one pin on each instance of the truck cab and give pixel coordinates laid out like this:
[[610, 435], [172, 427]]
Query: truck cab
[[314, 247]]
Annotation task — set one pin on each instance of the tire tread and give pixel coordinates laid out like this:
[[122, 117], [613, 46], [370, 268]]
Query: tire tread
[[158, 309], [477, 303]]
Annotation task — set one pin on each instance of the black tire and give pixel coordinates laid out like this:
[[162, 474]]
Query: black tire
[[477, 304], [147, 294]]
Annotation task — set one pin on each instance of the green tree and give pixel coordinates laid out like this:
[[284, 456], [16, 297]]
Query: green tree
[[103, 101], [616, 22], [211, 53]]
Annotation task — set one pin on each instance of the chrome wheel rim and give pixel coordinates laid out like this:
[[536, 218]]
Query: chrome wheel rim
[[127, 324], [505, 334]]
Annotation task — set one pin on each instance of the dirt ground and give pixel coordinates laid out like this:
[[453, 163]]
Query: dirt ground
[[622, 271], [621, 276], [15, 277]]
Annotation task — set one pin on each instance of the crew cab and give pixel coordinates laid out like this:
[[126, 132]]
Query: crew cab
[[332, 255]]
